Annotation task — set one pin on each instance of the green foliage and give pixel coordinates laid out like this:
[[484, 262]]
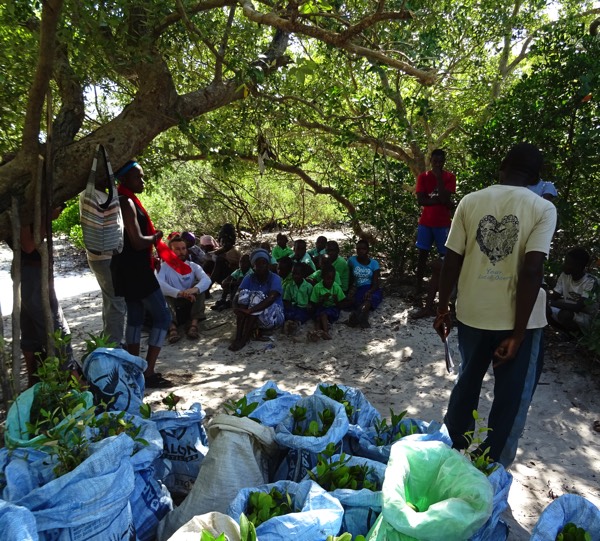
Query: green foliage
[[337, 474], [270, 394], [263, 506], [247, 529], [68, 223], [313, 428], [479, 456], [339, 395], [171, 401], [58, 413], [395, 430], [240, 408], [571, 532], [553, 105], [96, 341], [207, 536], [590, 338]]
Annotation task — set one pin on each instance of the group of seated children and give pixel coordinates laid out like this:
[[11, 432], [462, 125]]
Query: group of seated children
[[287, 287]]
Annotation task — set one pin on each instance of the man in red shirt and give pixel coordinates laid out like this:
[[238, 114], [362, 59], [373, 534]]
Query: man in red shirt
[[434, 193]]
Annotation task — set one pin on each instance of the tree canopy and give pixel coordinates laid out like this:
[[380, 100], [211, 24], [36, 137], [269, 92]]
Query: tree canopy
[[348, 97]]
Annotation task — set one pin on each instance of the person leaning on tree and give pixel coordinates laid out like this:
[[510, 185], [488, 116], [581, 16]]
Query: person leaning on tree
[[496, 248]]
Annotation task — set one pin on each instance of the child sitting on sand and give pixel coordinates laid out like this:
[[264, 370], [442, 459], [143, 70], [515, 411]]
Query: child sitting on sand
[[232, 282], [282, 249], [364, 294], [325, 298], [318, 250], [296, 296], [284, 269]]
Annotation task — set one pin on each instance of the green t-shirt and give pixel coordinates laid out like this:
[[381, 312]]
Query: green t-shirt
[[313, 252], [287, 280], [341, 266], [278, 252], [297, 295], [316, 277], [320, 291], [237, 274]]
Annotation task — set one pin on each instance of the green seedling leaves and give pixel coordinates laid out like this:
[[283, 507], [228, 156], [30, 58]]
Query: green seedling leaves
[[396, 430], [263, 506], [479, 455], [339, 395], [571, 532], [241, 408], [337, 474]]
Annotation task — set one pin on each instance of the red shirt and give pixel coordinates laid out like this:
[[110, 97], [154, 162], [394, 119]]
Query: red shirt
[[435, 215]]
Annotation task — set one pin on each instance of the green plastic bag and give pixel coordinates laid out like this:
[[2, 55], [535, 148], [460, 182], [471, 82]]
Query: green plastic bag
[[453, 498]]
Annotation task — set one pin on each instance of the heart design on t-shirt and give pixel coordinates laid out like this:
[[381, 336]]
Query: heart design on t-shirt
[[497, 239]]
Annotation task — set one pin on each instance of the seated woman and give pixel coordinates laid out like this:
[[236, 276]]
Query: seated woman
[[259, 305], [364, 293]]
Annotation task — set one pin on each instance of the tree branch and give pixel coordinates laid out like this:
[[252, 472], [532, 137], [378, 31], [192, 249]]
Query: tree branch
[[37, 94], [334, 39]]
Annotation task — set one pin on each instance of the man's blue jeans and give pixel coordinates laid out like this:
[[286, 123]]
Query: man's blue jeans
[[514, 384]]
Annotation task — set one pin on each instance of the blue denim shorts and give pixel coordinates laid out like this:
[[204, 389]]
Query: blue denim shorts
[[426, 236]]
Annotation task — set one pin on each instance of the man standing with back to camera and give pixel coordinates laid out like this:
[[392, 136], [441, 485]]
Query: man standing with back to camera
[[496, 248]]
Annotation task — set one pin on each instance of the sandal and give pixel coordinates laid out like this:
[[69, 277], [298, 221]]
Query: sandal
[[156, 381], [192, 332], [173, 336]]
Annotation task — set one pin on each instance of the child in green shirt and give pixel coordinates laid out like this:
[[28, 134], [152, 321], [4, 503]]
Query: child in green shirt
[[282, 249], [296, 297], [326, 298], [231, 283]]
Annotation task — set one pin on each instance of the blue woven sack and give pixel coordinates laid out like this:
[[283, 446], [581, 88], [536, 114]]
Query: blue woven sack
[[319, 513], [116, 378], [567, 508], [17, 523], [423, 431], [303, 450], [184, 447], [495, 529], [91, 502], [361, 507], [150, 500], [364, 414], [270, 412]]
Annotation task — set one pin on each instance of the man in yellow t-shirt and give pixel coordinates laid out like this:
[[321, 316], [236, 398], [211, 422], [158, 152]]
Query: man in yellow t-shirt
[[496, 248]]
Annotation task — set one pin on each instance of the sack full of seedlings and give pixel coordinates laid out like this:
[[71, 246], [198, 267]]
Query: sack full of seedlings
[[361, 413], [185, 445], [356, 482], [272, 404], [311, 425], [116, 379], [287, 510], [431, 492], [17, 523], [150, 500], [567, 509], [90, 502], [376, 441], [214, 523]]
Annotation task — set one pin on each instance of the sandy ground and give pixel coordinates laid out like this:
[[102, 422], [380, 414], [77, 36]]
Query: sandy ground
[[398, 363]]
